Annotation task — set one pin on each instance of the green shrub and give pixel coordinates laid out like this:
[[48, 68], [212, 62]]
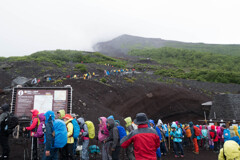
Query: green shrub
[[81, 67], [103, 80]]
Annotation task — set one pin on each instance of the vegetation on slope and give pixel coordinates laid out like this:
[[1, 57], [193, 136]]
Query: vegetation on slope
[[190, 64]]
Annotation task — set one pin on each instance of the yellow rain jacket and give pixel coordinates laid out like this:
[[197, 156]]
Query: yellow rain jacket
[[235, 128], [69, 131], [231, 151], [128, 121], [62, 114]]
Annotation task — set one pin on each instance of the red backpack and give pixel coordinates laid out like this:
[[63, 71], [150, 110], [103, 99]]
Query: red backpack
[[196, 131]]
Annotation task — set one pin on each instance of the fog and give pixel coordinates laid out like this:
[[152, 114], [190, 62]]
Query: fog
[[27, 26]]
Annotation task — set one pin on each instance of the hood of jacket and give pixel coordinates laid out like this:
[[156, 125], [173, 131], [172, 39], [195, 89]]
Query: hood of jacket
[[104, 121], [191, 124], [62, 113], [111, 117], [159, 123], [128, 121], [111, 123], [41, 117], [212, 127], [81, 121], [231, 149], [235, 128], [152, 122], [5, 107], [200, 127], [34, 113], [174, 125], [49, 114]]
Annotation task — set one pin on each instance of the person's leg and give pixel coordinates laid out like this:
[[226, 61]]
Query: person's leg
[[195, 145], [115, 154], [181, 148], [64, 153], [215, 146], [41, 151], [175, 149], [35, 148], [85, 150], [104, 152], [70, 151], [5, 146]]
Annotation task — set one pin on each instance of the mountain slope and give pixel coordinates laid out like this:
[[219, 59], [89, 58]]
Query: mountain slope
[[121, 45]]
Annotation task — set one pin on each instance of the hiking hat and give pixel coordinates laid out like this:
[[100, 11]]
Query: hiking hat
[[141, 118], [67, 116]]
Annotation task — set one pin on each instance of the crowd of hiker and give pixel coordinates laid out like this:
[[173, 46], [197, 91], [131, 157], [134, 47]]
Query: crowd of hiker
[[61, 136]]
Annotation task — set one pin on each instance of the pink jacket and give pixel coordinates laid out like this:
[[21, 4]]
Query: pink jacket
[[103, 132]]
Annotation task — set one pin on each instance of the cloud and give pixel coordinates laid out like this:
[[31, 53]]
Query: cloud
[[28, 26]]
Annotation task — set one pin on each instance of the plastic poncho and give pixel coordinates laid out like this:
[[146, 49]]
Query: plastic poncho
[[231, 150]]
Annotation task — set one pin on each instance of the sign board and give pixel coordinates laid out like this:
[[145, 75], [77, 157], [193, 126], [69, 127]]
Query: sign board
[[210, 124], [221, 124], [42, 99]]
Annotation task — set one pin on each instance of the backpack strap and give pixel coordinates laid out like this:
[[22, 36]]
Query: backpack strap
[[215, 134]]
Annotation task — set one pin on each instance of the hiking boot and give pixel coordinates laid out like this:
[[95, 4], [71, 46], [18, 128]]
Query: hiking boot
[[195, 152], [176, 156], [182, 156]]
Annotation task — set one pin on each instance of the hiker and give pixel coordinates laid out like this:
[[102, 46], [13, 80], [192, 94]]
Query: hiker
[[163, 146], [103, 133], [152, 124], [84, 138], [232, 132], [230, 151], [129, 128], [3, 135], [204, 132], [177, 140], [113, 138], [61, 114], [226, 133], [145, 140], [194, 137], [50, 152], [211, 143], [188, 138], [40, 135], [68, 149], [199, 138], [75, 139], [214, 138], [235, 128], [220, 137], [33, 129]]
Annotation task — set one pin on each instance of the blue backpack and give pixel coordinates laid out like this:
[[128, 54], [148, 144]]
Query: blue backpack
[[76, 129], [121, 131], [60, 129]]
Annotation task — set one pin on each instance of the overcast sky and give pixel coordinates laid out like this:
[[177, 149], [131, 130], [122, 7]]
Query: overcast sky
[[27, 26]]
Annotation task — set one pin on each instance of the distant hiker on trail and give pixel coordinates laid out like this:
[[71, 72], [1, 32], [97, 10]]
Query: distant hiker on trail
[[50, 152], [188, 135], [75, 139], [113, 138], [4, 110], [194, 137], [145, 140], [204, 131], [232, 132], [61, 114], [103, 133], [40, 135], [129, 128], [84, 138], [163, 142], [33, 129], [226, 133], [68, 149]]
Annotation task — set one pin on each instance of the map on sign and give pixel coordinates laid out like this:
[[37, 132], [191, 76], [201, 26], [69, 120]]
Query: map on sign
[[43, 103], [60, 95]]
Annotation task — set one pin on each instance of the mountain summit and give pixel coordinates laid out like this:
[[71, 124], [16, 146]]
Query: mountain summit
[[120, 46]]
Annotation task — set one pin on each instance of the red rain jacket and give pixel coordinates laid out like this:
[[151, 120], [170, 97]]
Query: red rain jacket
[[145, 141]]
